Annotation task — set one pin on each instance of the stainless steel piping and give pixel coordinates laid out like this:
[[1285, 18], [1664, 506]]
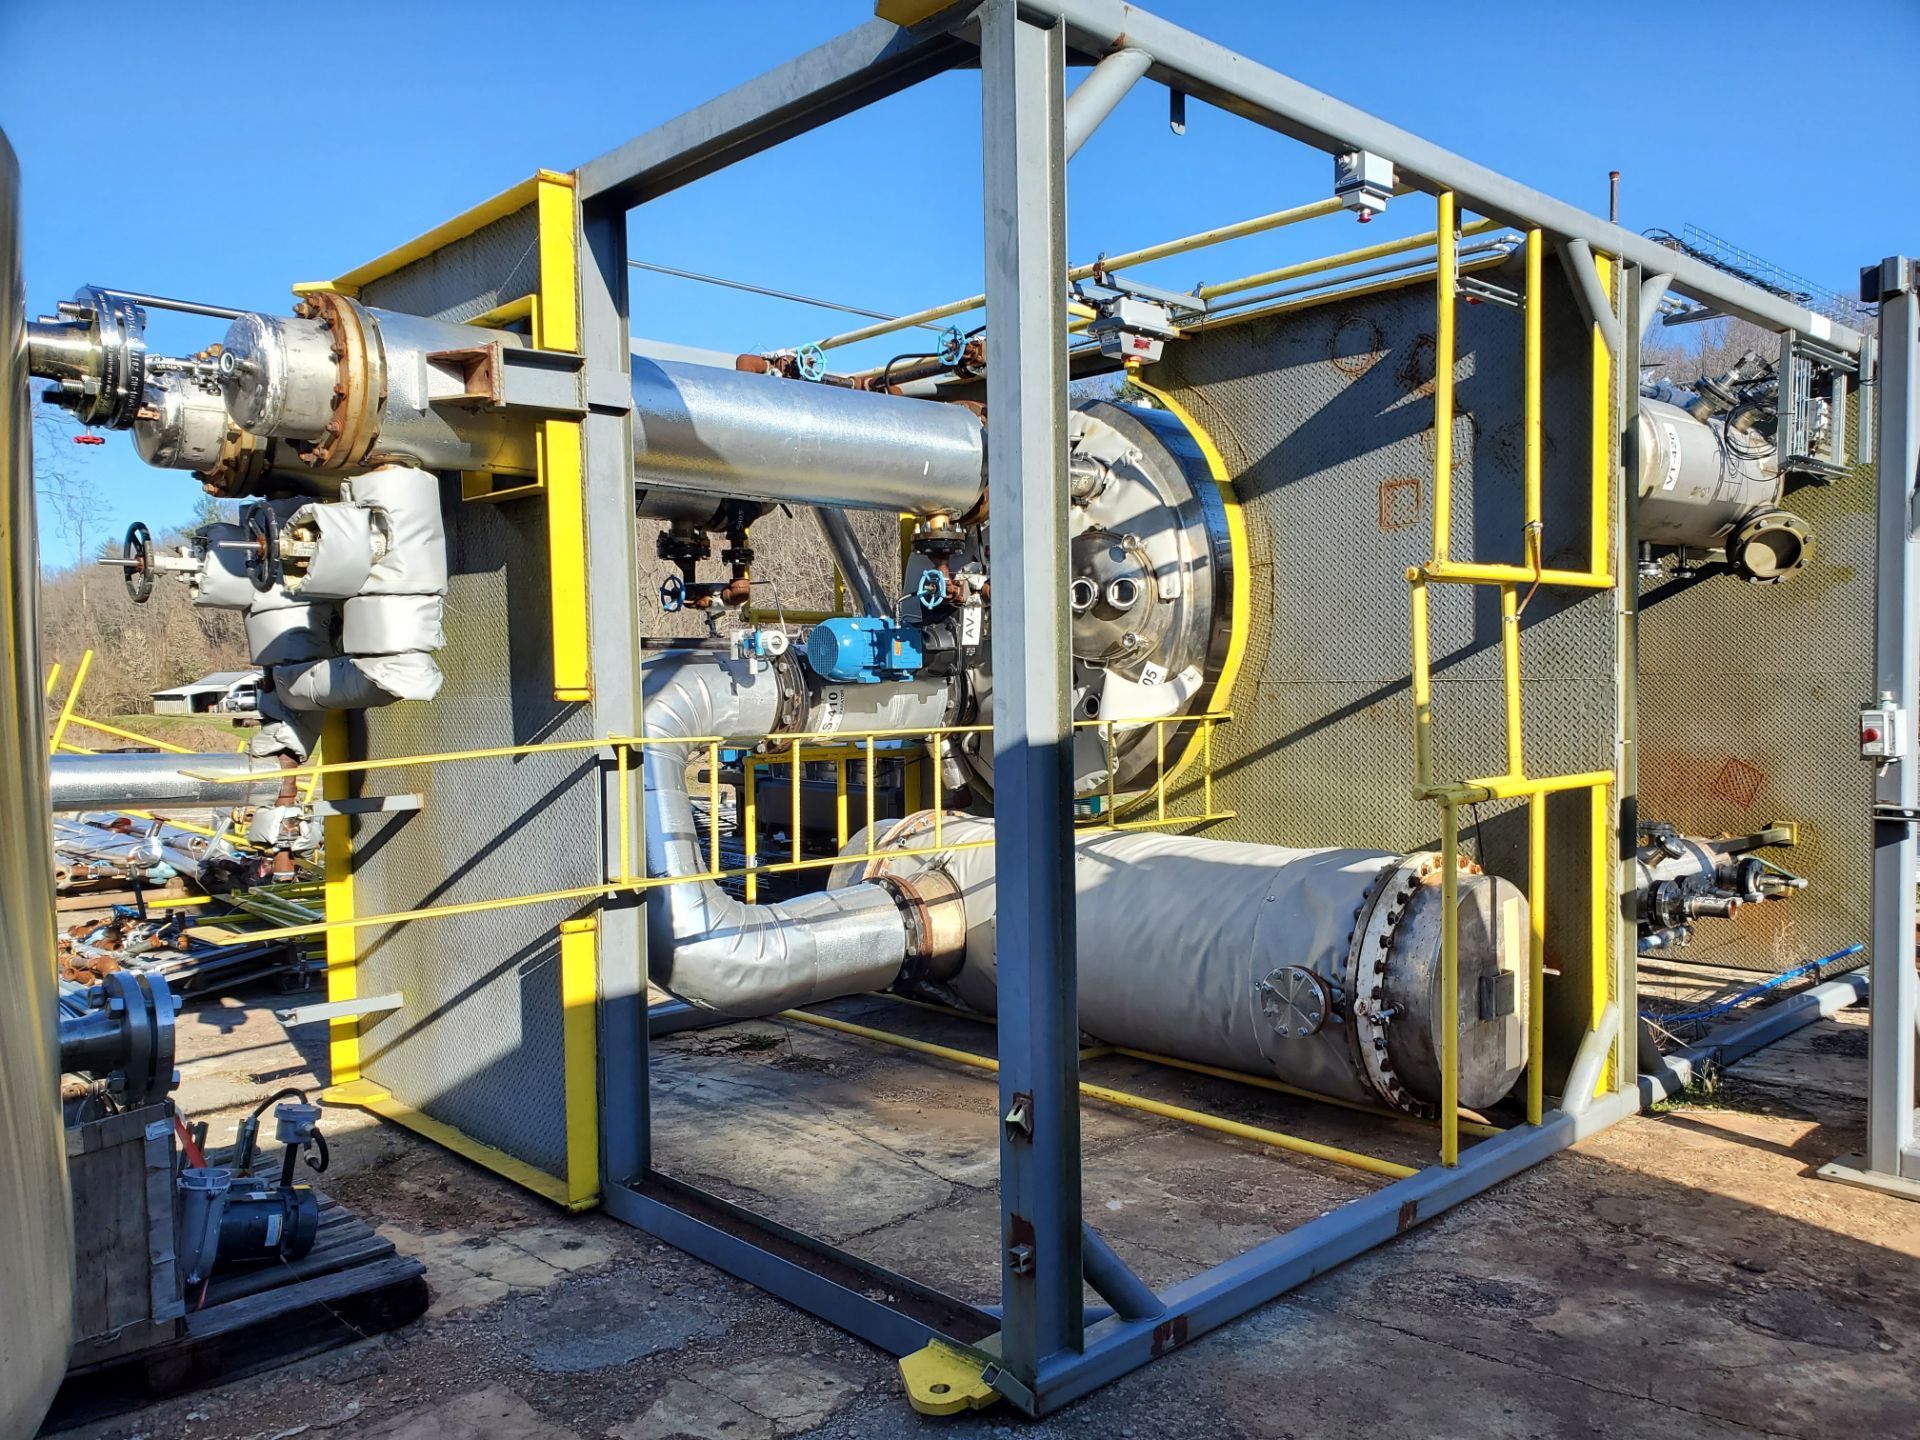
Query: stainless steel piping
[[106, 782], [704, 946], [855, 568], [735, 435]]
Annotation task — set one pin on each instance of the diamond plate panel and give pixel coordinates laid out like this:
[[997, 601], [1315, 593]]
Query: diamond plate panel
[[478, 1042], [1324, 416], [1748, 697], [497, 263]]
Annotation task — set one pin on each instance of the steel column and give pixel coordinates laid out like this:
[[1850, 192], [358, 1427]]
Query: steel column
[[1896, 790], [1022, 72], [614, 649]]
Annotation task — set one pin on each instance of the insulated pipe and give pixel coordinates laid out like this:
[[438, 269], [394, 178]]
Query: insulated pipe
[[109, 782], [1321, 967], [735, 435], [1093, 98], [705, 947], [855, 568]]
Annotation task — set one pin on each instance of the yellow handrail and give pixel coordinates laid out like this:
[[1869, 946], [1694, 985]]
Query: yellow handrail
[[1516, 783]]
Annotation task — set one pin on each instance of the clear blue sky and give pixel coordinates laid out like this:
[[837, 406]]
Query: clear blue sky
[[222, 160]]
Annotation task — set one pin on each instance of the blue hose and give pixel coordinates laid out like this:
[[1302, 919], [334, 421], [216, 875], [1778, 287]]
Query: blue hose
[[1734, 1002]]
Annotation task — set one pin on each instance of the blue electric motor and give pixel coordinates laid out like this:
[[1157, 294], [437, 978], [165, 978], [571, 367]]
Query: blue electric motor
[[864, 650]]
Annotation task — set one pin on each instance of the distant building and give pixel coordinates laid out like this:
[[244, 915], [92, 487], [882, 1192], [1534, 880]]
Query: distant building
[[224, 691]]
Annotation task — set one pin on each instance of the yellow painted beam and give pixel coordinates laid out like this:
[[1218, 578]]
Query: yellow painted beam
[[365, 1095], [1444, 276], [562, 459], [514, 197], [342, 943], [579, 996]]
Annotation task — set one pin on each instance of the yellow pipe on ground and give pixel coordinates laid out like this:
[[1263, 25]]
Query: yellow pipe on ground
[[1275, 1138]]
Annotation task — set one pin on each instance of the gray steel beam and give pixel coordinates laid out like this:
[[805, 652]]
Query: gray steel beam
[[1105, 86], [1896, 793], [1186, 62], [847, 73], [1022, 77], [1577, 256], [1213, 1297]]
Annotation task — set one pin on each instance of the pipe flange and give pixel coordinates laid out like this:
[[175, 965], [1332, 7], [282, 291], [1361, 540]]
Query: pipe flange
[[1295, 1001], [360, 384], [1770, 547], [1376, 922], [936, 916]]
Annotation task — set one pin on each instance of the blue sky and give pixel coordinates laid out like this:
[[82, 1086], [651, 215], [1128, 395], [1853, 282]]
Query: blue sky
[[246, 147]]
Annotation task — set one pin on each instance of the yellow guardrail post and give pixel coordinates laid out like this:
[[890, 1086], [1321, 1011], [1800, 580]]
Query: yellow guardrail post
[[53, 677], [1449, 985], [839, 801], [1510, 678], [342, 943], [1444, 276], [750, 823], [1536, 1015]]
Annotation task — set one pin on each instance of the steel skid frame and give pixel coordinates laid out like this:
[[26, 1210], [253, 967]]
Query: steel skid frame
[[1041, 1350]]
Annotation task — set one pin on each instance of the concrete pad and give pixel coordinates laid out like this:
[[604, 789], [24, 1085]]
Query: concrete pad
[[495, 1413], [608, 1321], [686, 1411], [466, 1270], [795, 1392]]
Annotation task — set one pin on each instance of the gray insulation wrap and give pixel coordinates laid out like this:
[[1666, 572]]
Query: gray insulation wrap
[[342, 559], [1192, 948], [1174, 934], [393, 623], [754, 437], [703, 945]]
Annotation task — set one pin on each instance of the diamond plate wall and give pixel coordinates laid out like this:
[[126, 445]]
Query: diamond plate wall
[[1748, 707], [1324, 417], [478, 1043]]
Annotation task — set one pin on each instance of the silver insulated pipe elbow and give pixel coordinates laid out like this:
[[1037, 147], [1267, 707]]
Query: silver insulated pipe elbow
[[706, 947]]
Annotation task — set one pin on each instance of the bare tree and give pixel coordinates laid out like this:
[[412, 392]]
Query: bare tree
[[67, 495]]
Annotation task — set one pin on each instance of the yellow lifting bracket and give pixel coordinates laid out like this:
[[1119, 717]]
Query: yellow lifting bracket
[[943, 1378]]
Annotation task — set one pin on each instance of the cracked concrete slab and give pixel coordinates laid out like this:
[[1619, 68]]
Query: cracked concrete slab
[[495, 1412], [795, 1392], [466, 1270]]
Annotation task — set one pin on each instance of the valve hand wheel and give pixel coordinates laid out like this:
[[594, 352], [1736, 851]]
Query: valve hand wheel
[[137, 550]]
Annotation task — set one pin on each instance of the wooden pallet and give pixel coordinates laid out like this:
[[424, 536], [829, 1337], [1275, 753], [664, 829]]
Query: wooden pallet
[[350, 1285]]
